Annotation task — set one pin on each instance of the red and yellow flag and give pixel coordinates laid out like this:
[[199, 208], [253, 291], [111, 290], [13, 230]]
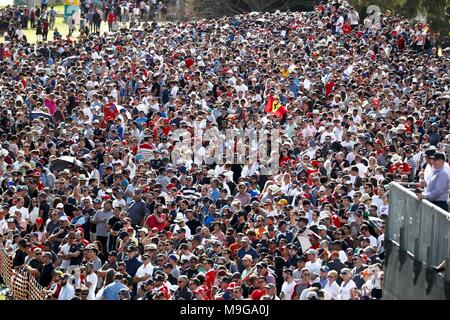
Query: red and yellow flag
[[275, 107]]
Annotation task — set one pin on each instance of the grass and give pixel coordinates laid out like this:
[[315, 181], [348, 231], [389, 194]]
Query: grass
[[62, 27]]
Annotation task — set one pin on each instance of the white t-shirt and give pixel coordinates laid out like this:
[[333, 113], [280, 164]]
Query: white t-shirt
[[92, 278], [67, 292], [345, 290], [144, 270], [33, 215], [23, 210], [287, 290], [373, 241], [332, 290], [65, 250], [314, 267], [3, 226]]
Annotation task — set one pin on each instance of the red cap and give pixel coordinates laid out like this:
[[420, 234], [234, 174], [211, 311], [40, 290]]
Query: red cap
[[315, 163], [170, 186], [166, 120], [335, 253], [232, 285], [39, 220]]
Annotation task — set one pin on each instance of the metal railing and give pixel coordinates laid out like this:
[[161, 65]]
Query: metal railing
[[22, 284], [419, 227]]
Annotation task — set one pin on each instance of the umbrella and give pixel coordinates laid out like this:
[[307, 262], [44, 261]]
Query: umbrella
[[66, 162], [40, 114]]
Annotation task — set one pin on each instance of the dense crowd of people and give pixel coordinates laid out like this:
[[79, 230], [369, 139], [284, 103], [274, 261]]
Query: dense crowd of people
[[111, 189]]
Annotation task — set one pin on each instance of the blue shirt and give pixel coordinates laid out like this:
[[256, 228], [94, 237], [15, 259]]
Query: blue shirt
[[215, 194], [112, 290], [208, 220], [251, 251], [438, 186]]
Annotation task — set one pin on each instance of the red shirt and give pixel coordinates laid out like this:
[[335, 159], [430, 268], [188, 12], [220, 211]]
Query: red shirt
[[189, 62], [328, 88], [258, 294], [401, 167], [110, 110], [151, 222], [111, 17], [210, 278], [166, 292], [346, 28]]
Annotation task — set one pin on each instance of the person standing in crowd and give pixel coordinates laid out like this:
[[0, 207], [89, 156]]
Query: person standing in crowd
[[118, 160], [438, 185]]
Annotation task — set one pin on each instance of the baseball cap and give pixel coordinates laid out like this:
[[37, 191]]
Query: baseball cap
[[438, 155], [59, 206], [325, 268], [151, 246]]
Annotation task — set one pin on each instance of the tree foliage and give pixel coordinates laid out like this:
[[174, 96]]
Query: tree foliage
[[432, 10], [215, 8]]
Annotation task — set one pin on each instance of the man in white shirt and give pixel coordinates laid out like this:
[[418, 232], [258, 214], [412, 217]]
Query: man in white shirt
[[67, 290], [19, 207], [287, 289], [145, 271], [313, 263], [91, 280]]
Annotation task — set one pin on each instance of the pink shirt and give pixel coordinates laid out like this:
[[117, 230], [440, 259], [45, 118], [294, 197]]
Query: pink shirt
[[51, 105]]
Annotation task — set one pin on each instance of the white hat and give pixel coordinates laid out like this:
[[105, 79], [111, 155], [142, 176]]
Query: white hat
[[274, 188], [365, 197], [311, 251], [179, 217], [63, 218], [401, 127], [59, 206], [396, 159]]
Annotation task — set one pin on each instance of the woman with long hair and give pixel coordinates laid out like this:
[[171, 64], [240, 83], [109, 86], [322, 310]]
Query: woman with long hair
[[33, 209], [100, 254]]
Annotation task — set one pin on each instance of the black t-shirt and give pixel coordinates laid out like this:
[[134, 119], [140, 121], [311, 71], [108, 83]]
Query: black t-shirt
[[56, 244], [193, 224], [69, 208], [35, 264], [44, 208], [46, 275], [184, 293], [90, 227], [76, 247], [19, 258], [112, 223]]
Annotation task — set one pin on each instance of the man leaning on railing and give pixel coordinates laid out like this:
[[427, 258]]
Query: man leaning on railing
[[439, 183]]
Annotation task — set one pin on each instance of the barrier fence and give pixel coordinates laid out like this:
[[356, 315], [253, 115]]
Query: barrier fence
[[418, 227], [22, 284]]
